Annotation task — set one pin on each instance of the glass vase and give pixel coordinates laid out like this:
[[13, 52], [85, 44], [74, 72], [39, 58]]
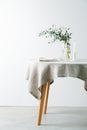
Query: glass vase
[[66, 51]]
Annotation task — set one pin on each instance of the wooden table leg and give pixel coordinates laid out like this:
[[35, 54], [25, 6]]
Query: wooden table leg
[[85, 86], [40, 110], [46, 98]]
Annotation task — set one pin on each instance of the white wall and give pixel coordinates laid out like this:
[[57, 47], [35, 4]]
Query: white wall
[[20, 23]]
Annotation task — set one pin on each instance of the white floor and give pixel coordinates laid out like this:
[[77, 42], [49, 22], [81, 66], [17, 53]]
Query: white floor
[[57, 118]]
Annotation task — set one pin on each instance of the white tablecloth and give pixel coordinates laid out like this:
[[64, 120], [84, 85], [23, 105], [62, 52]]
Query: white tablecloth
[[40, 73]]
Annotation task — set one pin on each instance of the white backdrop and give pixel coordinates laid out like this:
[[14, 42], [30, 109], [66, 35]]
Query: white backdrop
[[20, 23]]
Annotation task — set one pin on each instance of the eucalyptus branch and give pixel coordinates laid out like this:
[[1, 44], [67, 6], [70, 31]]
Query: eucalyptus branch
[[55, 33]]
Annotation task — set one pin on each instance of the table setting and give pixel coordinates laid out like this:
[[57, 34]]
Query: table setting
[[43, 71]]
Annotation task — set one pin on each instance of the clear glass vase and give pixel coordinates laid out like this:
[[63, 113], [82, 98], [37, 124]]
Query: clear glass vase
[[66, 51]]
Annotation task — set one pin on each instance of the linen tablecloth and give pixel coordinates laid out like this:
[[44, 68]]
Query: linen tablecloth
[[40, 73]]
